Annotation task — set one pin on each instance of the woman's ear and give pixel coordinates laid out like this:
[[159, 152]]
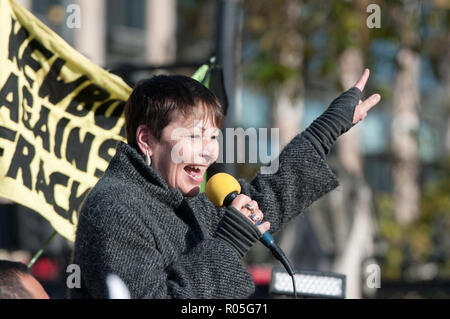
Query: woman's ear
[[145, 139]]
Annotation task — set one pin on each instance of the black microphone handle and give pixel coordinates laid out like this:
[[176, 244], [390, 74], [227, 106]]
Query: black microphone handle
[[230, 198]]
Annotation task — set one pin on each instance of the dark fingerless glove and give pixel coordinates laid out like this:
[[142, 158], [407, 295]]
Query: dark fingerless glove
[[335, 121], [237, 230]]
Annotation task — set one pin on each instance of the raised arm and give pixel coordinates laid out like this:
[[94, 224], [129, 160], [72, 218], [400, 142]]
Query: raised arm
[[303, 175]]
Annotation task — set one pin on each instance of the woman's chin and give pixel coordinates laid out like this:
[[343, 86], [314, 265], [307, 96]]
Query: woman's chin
[[191, 191]]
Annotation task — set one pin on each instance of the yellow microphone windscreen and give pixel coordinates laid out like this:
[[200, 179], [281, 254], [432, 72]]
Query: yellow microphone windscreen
[[219, 186]]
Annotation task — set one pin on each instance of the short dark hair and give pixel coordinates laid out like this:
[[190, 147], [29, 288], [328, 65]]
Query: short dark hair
[[154, 100], [10, 285]]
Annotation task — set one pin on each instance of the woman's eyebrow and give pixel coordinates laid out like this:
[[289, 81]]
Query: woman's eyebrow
[[214, 130]]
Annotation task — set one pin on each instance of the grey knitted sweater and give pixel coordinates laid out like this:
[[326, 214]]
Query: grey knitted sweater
[[163, 244]]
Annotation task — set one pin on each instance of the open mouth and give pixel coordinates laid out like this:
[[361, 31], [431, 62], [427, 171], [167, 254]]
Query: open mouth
[[195, 172]]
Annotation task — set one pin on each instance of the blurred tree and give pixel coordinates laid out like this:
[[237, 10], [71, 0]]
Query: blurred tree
[[405, 117], [437, 46], [336, 42], [336, 36], [275, 28], [419, 250], [414, 226], [349, 20], [445, 74], [196, 25], [161, 31]]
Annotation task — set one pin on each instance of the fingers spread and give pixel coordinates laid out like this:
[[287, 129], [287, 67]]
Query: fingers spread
[[363, 80], [370, 102], [362, 109]]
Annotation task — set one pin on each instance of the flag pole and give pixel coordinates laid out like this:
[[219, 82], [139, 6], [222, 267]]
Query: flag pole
[[40, 251]]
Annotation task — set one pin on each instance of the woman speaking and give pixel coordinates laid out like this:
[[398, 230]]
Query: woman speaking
[[145, 220]]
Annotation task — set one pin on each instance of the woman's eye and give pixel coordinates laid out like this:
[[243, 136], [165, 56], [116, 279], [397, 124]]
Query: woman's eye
[[195, 136]]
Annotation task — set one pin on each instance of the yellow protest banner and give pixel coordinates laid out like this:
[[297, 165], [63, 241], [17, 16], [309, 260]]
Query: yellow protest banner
[[60, 119]]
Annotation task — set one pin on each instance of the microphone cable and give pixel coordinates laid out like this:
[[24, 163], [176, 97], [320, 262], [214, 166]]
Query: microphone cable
[[279, 254], [294, 286]]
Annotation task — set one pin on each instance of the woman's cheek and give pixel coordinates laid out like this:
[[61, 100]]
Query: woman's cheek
[[182, 152], [216, 150], [212, 150], [214, 155]]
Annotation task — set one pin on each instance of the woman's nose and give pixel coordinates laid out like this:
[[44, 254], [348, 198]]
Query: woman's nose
[[210, 150]]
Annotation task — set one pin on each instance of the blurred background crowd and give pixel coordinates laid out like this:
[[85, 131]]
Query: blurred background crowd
[[283, 62]]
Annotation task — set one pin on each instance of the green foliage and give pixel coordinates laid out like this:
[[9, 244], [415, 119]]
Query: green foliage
[[268, 73], [425, 240], [274, 29], [344, 26]]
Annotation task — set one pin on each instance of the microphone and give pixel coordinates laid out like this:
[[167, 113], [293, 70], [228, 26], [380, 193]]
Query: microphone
[[221, 190]]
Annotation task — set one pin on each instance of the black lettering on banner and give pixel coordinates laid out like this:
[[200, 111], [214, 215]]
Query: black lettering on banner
[[26, 115], [6, 134], [84, 101], [122, 131], [103, 152], [11, 87], [27, 58], [98, 173], [78, 151], [15, 41], [56, 89], [108, 122], [41, 128], [62, 123], [41, 184], [48, 190], [22, 158], [58, 178], [74, 200]]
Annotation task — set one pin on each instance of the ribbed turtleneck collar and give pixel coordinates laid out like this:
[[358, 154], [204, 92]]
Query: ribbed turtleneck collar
[[130, 166]]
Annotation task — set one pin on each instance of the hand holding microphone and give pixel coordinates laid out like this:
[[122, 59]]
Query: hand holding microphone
[[249, 208], [223, 190]]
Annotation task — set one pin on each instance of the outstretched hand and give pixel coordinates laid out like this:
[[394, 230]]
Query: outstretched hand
[[343, 113], [364, 106]]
